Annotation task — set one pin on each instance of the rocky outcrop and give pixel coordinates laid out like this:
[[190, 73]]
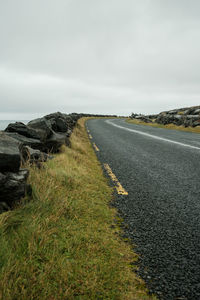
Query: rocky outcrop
[[189, 116]]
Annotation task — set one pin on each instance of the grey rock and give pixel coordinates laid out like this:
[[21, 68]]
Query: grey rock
[[54, 143], [4, 207], [32, 155], [196, 123], [193, 117], [43, 127], [33, 143], [190, 111], [58, 122], [173, 112], [133, 115], [22, 129], [9, 153], [13, 186], [197, 111], [178, 117]]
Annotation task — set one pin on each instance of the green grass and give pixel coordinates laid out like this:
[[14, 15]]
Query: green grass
[[168, 126], [64, 243]]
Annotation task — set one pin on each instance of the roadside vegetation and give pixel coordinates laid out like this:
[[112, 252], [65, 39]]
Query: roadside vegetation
[[168, 126], [64, 242]]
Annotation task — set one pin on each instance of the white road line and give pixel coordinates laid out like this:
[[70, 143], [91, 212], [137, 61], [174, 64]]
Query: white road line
[[153, 136]]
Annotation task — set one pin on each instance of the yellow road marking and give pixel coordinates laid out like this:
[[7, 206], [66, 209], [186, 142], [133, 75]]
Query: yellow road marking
[[90, 136], [95, 147], [118, 186]]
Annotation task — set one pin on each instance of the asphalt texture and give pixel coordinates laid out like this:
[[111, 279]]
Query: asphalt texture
[[161, 172]]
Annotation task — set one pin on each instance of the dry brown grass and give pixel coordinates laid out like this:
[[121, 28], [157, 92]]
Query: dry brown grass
[[64, 243]]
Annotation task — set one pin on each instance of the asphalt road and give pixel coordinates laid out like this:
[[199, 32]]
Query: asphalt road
[[160, 170]]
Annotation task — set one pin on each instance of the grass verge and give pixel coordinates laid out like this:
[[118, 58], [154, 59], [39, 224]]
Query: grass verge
[[168, 126], [64, 243]]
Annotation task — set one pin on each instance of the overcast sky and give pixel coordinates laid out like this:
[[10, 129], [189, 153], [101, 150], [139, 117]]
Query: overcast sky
[[98, 56]]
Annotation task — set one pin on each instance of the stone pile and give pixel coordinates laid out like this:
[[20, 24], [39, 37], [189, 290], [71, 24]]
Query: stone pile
[[12, 178], [34, 142], [189, 116]]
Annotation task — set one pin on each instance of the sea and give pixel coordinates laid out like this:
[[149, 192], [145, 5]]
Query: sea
[[4, 123]]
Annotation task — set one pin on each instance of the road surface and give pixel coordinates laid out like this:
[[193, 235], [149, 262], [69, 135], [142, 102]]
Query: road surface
[[157, 175]]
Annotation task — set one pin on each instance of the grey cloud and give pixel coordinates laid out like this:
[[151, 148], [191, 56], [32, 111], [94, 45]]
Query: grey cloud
[[98, 56]]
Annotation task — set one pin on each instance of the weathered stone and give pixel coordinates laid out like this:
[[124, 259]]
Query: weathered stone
[[22, 129], [62, 122], [196, 123], [133, 116], [70, 121], [13, 186], [32, 155], [68, 133], [152, 116], [33, 143], [9, 153], [59, 124], [4, 207], [197, 111], [178, 117], [53, 130], [54, 143], [54, 116], [193, 117], [173, 112], [43, 127]]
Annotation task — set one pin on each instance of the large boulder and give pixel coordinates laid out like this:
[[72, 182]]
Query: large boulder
[[71, 120], [191, 120], [197, 111], [9, 153], [32, 155], [192, 117], [190, 111], [54, 143], [133, 116], [12, 186], [3, 207], [33, 143], [43, 127], [173, 112], [22, 129], [169, 118], [177, 120], [62, 122], [56, 128], [59, 122], [196, 123]]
